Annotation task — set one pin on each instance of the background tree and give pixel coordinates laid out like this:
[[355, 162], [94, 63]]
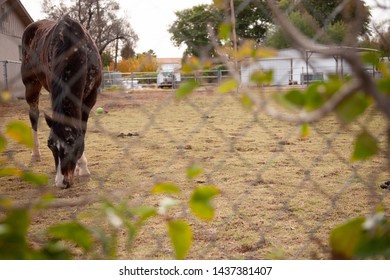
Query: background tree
[[382, 39], [127, 51], [99, 17], [107, 58], [190, 27], [309, 16]]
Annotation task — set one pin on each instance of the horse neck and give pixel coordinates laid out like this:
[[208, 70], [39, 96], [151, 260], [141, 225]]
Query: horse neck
[[67, 112]]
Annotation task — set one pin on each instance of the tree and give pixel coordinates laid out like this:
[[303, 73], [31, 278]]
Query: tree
[[127, 51], [191, 26], [344, 21], [350, 12], [107, 58], [99, 17], [302, 20]]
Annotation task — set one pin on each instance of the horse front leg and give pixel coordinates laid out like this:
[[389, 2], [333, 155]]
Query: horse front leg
[[32, 97], [82, 164]]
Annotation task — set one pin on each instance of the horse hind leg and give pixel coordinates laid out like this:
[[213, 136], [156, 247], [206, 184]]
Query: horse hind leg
[[82, 169], [32, 97]]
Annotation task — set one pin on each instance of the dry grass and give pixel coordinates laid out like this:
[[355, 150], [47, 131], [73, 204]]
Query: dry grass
[[280, 194]]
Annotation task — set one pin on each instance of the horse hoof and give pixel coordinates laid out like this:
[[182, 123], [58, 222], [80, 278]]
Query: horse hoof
[[84, 178], [386, 185], [35, 158]]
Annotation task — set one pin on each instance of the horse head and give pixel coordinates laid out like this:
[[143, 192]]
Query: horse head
[[67, 145]]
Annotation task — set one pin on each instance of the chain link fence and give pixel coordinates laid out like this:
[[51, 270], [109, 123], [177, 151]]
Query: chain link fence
[[10, 77], [285, 179]]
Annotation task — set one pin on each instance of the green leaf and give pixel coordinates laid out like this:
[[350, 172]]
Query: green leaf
[[344, 238], [227, 86], [181, 237], [371, 58], [265, 53], [200, 202], [72, 231], [165, 188], [20, 132], [246, 101], [186, 88], [3, 143], [35, 179], [224, 31], [365, 146], [352, 107], [296, 98], [315, 93], [144, 212], [384, 85], [10, 171], [305, 130], [13, 243], [194, 170], [362, 238], [261, 77]]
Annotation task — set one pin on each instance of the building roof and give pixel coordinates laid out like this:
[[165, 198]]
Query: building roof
[[20, 10], [171, 60]]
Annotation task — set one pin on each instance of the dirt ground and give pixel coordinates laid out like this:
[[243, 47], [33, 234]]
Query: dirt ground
[[280, 194]]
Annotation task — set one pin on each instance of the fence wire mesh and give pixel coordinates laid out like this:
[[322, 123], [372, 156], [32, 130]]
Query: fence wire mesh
[[281, 190]]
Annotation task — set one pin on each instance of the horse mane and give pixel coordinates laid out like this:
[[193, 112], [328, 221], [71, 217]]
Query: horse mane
[[69, 63]]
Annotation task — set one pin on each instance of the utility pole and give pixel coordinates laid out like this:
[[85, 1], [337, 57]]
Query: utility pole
[[234, 34]]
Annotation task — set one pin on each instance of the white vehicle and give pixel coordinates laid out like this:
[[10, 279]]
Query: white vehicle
[[168, 74], [168, 79]]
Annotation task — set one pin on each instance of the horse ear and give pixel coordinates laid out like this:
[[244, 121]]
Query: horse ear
[[49, 120]]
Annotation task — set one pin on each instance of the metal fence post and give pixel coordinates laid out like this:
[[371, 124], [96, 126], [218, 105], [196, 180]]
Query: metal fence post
[[5, 74]]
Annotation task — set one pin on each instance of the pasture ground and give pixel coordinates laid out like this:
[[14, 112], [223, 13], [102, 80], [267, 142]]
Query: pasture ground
[[281, 195]]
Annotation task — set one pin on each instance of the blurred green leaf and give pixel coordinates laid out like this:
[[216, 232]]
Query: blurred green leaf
[[165, 188], [246, 101], [384, 85], [261, 77], [35, 179], [20, 132], [186, 88], [181, 237], [315, 96], [3, 143], [72, 231], [13, 243], [265, 53], [224, 31], [53, 250], [371, 58], [10, 171], [362, 238], [365, 146], [296, 98], [194, 170], [352, 107], [144, 212], [305, 130], [200, 202], [227, 86], [344, 238]]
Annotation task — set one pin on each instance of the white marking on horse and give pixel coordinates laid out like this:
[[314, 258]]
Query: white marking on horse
[[59, 180], [82, 168], [36, 154]]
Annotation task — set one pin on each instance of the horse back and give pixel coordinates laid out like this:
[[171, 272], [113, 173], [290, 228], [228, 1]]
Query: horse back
[[64, 59]]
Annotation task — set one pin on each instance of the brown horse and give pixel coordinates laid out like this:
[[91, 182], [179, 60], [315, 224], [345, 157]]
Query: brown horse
[[62, 58]]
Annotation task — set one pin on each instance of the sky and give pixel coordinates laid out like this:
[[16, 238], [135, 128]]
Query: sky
[[150, 20]]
